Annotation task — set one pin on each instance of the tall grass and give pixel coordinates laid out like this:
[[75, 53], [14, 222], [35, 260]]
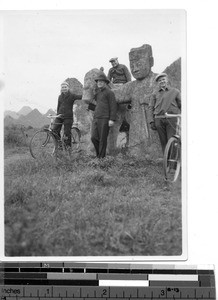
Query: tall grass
[[15, 136], [86, 207]]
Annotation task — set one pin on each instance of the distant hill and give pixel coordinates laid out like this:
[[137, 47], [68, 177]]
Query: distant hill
[[25, 110], [15, 115], [174, 73], [11, 114], [34, 118], [50, 112], [8, 121]]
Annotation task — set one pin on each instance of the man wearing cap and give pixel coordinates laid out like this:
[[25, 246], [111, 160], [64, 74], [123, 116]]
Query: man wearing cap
[[104, 115], [118, 74], [65, 107], [165, 99]]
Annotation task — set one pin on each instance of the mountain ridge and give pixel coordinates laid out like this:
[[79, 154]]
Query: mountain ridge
[[25, 110], [34, 118]]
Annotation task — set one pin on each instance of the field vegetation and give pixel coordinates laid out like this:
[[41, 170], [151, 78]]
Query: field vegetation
[[81, 206]]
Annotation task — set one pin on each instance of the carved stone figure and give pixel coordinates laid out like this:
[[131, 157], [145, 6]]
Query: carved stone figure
[[88, 95], [141, 139]]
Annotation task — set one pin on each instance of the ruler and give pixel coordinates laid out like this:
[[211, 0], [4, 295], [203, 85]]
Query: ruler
[[76, 281]]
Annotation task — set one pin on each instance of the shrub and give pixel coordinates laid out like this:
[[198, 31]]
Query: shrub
[[15, 136]]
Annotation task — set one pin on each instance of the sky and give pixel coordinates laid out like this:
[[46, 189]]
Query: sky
[[44, 47]]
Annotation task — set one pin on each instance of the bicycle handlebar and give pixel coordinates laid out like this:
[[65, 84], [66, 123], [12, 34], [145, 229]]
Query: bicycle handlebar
[[166, 115], [172, 115], [53, 117]]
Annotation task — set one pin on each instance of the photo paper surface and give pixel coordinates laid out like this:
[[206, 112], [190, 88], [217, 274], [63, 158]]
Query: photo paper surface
[[117, 207]]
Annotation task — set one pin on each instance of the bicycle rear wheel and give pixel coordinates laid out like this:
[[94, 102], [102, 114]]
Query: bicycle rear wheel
[[75, 139], [43, 145], [172, 159]]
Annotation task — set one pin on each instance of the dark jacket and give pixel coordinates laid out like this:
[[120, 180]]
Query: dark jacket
[[119, 74], [106, 107], [164, 101], [65, 104]]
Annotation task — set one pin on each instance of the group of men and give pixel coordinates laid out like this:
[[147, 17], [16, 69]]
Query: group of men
[[164, 99]]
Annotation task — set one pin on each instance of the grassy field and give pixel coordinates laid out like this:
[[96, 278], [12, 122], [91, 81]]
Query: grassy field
[[85, 207]]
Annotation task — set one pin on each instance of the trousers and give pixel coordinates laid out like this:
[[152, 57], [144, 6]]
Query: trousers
[[99, 135], [67, 129], [166, 128]]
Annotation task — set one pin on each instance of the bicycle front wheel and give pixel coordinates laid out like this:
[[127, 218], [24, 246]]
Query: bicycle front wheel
[[43, 145], [75, 138], [172, 159]]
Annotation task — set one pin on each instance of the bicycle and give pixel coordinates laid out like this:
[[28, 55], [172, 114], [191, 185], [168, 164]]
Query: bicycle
[[46, 142], [172, 153]]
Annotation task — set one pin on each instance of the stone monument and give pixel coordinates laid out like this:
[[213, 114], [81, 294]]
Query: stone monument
[[142, 140]]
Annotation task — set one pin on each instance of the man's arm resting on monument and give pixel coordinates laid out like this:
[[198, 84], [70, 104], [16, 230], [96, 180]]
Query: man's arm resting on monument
[[75, 96], [127, 74]]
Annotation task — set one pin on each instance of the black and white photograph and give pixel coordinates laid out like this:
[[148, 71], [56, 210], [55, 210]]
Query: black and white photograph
[[94, 133]]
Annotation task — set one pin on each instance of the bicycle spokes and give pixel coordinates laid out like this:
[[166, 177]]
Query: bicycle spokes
[[47, 143], [43, 145], [172, 159]]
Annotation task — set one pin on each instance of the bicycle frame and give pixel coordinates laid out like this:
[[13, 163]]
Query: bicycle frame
[[46, 142], [52, 118], [172, 154], [56, 136], [178, 124]]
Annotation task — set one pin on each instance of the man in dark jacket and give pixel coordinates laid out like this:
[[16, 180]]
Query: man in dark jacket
[[104, 115], [118, 74], [65, 108], [165, 99]]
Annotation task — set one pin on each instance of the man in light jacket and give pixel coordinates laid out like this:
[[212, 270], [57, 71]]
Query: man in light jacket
[[165, 100]]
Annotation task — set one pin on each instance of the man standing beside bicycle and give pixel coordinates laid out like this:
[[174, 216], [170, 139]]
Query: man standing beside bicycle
[[166, 99], [65, 107]]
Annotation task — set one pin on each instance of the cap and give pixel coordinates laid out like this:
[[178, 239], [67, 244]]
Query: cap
[[65, 83], [113, 59], [160, 75]]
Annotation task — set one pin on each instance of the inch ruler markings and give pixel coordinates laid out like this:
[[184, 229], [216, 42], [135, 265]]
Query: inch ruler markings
[[66, 280]]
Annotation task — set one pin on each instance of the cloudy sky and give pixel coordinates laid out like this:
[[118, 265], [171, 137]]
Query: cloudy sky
[[43, 47]]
